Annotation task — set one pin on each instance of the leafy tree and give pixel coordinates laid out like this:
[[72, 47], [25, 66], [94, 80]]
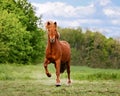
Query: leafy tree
[[30, 21], [15, 38], [21, 39], [92, 48]]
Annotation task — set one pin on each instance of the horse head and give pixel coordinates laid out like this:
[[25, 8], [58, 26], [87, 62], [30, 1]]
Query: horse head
[[52, 31]]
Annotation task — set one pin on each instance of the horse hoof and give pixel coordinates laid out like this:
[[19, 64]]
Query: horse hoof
[[58, 85], [69, 83], [48, 74]]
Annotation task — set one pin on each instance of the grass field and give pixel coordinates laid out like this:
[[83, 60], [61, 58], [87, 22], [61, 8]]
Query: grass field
[[30, 80]]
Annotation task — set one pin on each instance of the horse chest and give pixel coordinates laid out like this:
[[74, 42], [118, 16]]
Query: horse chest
[[53, 54]]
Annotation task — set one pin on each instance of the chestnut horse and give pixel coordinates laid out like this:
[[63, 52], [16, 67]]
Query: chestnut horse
[[57, 52]]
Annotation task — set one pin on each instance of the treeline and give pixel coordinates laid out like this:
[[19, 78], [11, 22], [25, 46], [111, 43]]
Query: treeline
[[92, 48], [21, 41]]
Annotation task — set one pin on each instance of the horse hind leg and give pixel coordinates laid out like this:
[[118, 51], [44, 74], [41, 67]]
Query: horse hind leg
[[62, 67], [46, 67], [68, 72]]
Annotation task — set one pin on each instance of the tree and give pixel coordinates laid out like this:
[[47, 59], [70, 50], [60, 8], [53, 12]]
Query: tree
[[21, 39], [30, 21], [92, 48]]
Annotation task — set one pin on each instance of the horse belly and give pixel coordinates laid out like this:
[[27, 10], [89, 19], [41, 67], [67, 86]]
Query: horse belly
[[65, 57], [65, 53]]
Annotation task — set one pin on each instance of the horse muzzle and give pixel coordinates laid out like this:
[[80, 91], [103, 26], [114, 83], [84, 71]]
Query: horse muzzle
[[52, 40]]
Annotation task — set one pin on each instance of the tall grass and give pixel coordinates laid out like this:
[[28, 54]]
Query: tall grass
[[31, 72], [17, 72], [86, 73]]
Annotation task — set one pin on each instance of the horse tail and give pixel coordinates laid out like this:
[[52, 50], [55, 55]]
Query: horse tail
[[62, 68]]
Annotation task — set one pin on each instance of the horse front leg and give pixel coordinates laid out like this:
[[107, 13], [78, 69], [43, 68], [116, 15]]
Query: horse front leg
[[46, 62], [57, 66]]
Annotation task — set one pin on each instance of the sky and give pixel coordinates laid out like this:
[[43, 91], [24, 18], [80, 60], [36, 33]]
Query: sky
[[96, 15]]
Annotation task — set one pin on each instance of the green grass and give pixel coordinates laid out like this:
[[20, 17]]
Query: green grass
[[30, 80], [85, 73]]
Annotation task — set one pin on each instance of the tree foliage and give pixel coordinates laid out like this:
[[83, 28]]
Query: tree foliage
[[92, 48], [21, 41]]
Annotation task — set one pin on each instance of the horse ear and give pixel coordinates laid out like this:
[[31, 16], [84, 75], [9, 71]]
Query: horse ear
[[48, 23], [55, 23]]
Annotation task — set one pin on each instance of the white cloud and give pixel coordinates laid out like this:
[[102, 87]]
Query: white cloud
[[90, 21], [99, 15], [104, 2], [112, 31], [107, 31], [50, 9], [113, 12], [115, 22], [66, 15], [78, 22]]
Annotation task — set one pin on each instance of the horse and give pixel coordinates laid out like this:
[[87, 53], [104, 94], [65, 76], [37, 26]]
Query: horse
[[57, 52]]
